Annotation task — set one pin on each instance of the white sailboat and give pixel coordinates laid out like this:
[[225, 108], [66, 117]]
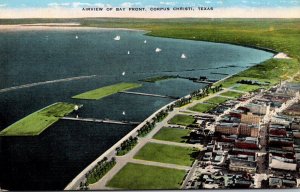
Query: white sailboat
[[157, 50], [124, 113], [183, 56], [145, 41], [128, 52], [123, 73], [117, 38], [76, 37]]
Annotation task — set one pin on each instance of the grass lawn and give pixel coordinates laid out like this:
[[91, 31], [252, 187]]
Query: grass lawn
[[247, 88], [297, 78], [172, 134], [167, 154], [138, 176], [217, 100], [106, 91], [232, 94], [271, 71], [202, 107], [37, 122], [182, 120]]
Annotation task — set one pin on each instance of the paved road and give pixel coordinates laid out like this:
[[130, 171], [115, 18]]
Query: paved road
[[190, 174], [238, 91], [227, 97], [159, 164], [175, 143]]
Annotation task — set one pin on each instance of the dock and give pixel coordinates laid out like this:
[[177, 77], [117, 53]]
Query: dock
[[44, 83], [205, 81], [217, 73], [199, 80], [109, 121], [149, 94]]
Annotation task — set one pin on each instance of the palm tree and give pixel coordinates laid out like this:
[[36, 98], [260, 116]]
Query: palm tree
[[105, 159]]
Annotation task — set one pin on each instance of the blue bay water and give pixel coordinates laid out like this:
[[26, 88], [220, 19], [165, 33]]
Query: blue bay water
[[51, 160]]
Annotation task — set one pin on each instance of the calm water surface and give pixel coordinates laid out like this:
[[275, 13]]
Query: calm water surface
[[51, 160]]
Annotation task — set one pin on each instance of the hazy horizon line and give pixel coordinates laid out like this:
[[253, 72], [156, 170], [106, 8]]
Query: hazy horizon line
[[232, 12]]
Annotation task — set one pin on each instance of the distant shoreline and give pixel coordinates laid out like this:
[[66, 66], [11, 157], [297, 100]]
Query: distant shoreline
[[78, 26], [57, 26]]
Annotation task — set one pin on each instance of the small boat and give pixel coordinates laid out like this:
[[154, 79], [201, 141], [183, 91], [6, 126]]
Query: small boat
[[128, 52], [124, 113], [76, 37], [117, 38], [123, 73], [145, 41], [183, 56], [157, 50]]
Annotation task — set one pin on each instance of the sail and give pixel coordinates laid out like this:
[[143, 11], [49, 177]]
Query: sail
[[157, 50], [117, 38]]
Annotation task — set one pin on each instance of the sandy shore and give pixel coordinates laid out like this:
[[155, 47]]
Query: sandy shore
[[55, 26], [52, 24], [281, 56]]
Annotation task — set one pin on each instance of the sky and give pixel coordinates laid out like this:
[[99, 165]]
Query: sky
[[73, 8]]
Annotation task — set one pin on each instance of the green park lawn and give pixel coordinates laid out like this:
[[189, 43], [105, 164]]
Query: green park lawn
[[172, 134], [35, 123], [247, 88], [137, 176], [167, 154], [272, 71], [202, 107], [217, 100], [184, 120], [232, 94], [106, 91], [296, 78]]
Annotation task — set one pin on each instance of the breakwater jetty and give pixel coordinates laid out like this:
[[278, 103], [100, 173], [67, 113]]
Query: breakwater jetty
[[44, 83], [201, 79], [109, 121], [149, 94]]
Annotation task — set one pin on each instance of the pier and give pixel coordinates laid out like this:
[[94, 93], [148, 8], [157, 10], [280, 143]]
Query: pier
[[109, 121], [149, 94], [203, 79], [45, 82], [217, 73]]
